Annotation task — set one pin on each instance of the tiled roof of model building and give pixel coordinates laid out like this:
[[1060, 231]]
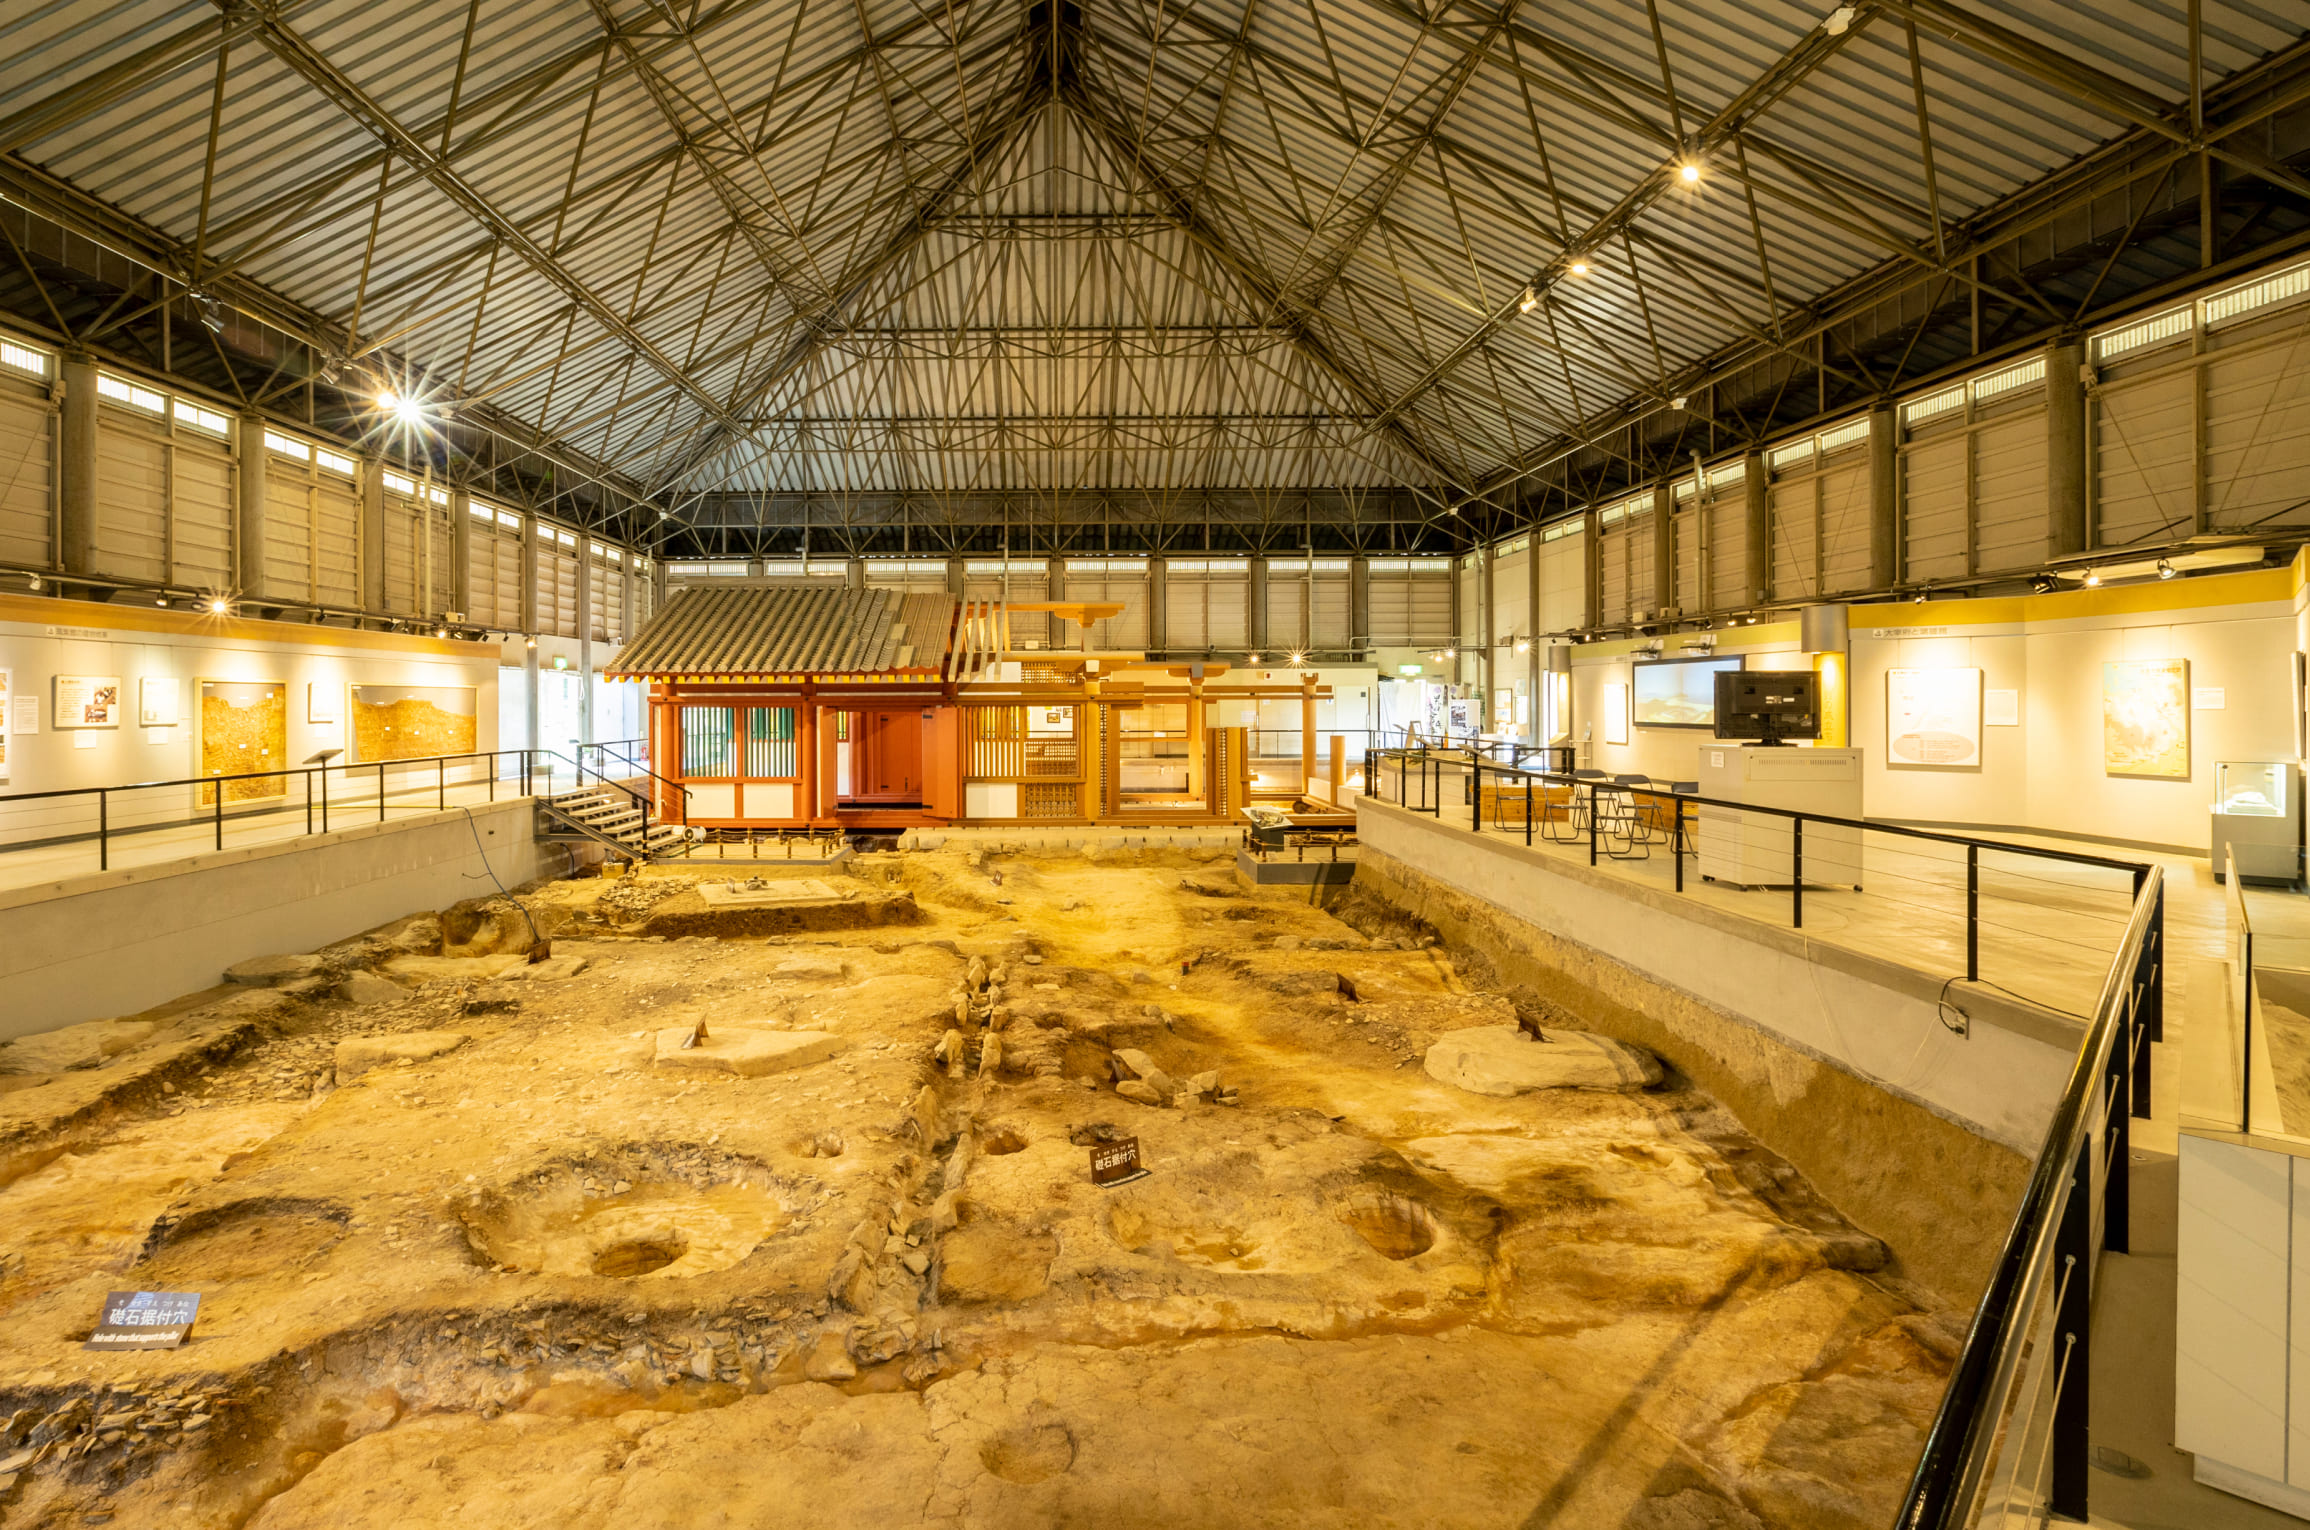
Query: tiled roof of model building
[[791, 630]]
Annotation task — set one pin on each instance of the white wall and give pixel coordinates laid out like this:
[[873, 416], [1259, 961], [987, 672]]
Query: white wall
[[41, 639], [1666, 754], [119, 942]]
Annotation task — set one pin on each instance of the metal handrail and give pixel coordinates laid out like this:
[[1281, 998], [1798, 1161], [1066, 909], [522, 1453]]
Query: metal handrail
[[630, 763], [314, 803], [2053, 1223]]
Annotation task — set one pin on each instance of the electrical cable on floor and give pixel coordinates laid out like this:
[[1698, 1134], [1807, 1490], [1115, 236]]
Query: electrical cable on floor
[[537, 941]]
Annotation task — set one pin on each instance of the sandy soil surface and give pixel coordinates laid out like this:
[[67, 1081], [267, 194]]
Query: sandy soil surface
[[567, 1272]]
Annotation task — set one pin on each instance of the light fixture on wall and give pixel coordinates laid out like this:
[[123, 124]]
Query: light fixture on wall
[[218, 605], [529, 642], [1529, 301], [1523, 645], [2092, 579], [2165, 570], [2044, 584], [1299, 658], [1251, 658]]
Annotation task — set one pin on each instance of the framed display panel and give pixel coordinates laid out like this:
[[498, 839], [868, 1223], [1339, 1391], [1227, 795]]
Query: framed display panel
[[7, 711], [410, 722], [320, 702], [87, 701], [159, 701], [1933, 719], [244, 727], [1679, 693], [1616, 713], [2145, 718]]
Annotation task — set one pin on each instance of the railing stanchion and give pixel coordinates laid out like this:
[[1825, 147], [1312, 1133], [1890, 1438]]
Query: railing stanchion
[[1676, 840], [2072, 1271], [308, 775], [1797, 872], [324, 799], [103, 831], [1592, 823], [220, 814], [440, 785], [1527, 812], [2117, 1140], [380, 791], [1476, 791], [1972, 913]]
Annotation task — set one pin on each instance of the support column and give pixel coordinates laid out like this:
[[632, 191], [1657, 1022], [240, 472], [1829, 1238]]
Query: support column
[[1756, 509], [249, 504], [829, 770], [1197, 742], [585, 628], [461, 552], [76, 466], [529, 561], [2065, 507], [1487, 597], [1560, 671], [1533, 657], [1256, 596], [1884, 497], [854, 573], [372, 489], [1158, 605], [755, 568], [1306, 733], [955, 575], [1591, 570], [806, 757], [626, 583], [1360, 642], [1663, 549]]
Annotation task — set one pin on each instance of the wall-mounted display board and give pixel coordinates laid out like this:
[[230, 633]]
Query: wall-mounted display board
[[1616, 713], [2145, 718], [1679, 693], [7, 695], [87, 701], [1051, 722], [320, 702], [244, 727], [159, 701], [410, 722], [1933, 719], [2001, 709]]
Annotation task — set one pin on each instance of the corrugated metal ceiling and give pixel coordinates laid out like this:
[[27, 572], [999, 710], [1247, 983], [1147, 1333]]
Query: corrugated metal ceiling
[[997, 246]]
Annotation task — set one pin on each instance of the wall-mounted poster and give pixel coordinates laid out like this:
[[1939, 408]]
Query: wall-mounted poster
[[1051, 722], [7, 694], [1461, 714], [1616, 714], [410, 722], [159, 702], [1933, 719], [244, 729], [320, 702], [87, 701], [2145, 718]]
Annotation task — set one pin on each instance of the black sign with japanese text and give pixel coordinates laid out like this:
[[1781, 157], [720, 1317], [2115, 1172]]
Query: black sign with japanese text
[[1117, 1162], [145, 1320]]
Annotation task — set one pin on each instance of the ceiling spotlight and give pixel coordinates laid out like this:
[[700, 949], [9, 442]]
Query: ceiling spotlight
[[441, 632], [1679, 401], [1917, 599], [529, 642], [210, 311], [219, 606], [1451, 653], [1689, 173], [1523, 645], [1529, 301], [1839, 20], [1578, 268], [2044, 584], [2093, 579], [2165, 570], [1299, 658], [162, 602], [1251, 658]]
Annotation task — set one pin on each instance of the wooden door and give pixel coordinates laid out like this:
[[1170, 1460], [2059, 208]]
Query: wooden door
[[941, 761], [886, 764]]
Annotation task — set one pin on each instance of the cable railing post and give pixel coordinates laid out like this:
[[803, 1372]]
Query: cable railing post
[[1972, 913], [1591, 823], [2070, 1444], [103, 831], [308, 775], [1676, 839], [1797, 871], [2117, 1139], [220, 815], [1476, 791], [1527, 811]]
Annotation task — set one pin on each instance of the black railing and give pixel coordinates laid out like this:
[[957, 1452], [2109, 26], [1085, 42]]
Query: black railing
[[307, 787], [623, 752], [2010, 1432]]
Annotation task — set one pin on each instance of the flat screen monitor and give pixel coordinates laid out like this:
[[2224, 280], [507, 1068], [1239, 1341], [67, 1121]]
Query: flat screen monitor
[[1679, 693], [1768, 705]]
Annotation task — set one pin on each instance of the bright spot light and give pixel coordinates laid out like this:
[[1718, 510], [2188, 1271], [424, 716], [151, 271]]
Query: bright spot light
[[1299, 658], [217, 608], [1530, 301], [1688, 173], [1578, 268], [389, 401], [2092, 578]]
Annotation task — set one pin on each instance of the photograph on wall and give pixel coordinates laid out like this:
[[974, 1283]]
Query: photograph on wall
[[244, 730], [1460, 714], [320, 701], [412, 722], [2145, 718], [87, 701], [159, 702], [1933, 719], [1616, 714]]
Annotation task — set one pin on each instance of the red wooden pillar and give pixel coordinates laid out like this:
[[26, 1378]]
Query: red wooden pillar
[[806, 752], [826, 809]]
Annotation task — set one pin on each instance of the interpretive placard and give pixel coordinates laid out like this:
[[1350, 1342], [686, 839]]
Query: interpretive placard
[[88, 701], [1117, 1162], [145, 1320]]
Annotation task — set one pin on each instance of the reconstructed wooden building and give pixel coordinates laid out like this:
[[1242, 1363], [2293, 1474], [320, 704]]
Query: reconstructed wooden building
[[780, 707]]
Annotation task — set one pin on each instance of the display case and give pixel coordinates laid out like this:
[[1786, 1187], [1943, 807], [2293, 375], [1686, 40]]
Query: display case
[[2257, 818]]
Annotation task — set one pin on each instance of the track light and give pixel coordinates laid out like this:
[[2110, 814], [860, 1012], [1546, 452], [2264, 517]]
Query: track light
[[219, 606], [441, 632], [1529, 301], [529, 642], [1689, 173], [1523, 645], [2165, 570], [2044, 584], [1679, 401], [1299, 658], [1251, 658], [1578, 268], [1839, 19], [2093, 579]]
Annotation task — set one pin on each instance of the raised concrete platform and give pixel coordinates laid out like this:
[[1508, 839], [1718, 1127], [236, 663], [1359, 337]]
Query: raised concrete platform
[[1078, 837], [1281, 870]]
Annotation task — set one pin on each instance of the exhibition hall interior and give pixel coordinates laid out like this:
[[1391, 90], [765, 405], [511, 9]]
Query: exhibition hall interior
[[1061, 762]]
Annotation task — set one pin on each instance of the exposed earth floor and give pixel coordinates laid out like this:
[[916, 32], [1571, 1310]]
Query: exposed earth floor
[[843, 1263]]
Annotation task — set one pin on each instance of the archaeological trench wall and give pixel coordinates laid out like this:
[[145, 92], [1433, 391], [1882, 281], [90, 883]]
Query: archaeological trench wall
[[1835, 1060]]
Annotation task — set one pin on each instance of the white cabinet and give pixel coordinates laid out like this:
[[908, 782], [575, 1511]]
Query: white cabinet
[[1757, 849]]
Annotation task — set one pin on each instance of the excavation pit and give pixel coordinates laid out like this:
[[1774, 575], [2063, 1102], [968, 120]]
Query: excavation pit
[[652, 1229], [1396, 1228]]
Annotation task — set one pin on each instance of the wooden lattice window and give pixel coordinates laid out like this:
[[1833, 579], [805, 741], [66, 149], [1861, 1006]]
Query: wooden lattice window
[[1047, 800]]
